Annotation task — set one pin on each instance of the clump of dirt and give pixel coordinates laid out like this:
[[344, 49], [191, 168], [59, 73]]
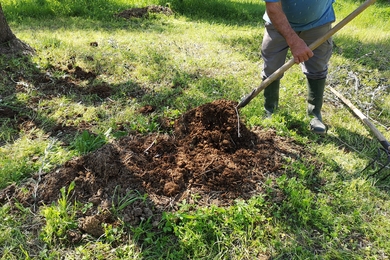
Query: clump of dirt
[[146, 109], [205, 156], [93, 224], [144, 11], [7, 112], [83, 75]]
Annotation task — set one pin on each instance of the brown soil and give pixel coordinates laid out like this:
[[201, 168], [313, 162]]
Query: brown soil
[[210, 154]]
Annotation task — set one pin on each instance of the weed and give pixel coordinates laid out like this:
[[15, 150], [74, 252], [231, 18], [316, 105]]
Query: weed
[[7, 132], [87, 142], [112, 233], [220, 232], [119, 203], [59, 218], [20, 159], [14, 238]]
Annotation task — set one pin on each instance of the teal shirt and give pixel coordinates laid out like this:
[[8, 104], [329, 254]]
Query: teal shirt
[[306, 14]]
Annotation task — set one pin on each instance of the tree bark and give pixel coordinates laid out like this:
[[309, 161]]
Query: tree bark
[[9, 43]]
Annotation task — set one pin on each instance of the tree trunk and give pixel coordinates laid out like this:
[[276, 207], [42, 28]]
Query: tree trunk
[[9, 44], [6, 34]]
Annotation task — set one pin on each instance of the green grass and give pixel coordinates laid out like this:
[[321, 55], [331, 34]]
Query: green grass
[[208, 50], [60, 218], [31, 153]]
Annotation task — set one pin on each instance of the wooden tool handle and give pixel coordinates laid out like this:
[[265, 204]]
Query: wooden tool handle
[[365, 120]]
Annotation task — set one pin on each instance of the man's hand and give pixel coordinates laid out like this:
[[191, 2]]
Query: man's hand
[[299, 49]]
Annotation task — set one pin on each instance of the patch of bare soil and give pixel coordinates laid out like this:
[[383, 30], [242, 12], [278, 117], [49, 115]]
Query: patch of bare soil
[[144, 11], [204, 156]]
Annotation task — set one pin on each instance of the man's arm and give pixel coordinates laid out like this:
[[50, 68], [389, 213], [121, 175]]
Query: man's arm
[[299, 49]]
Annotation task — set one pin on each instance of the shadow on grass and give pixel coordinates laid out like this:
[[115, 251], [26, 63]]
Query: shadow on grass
[[220, 11], [371, 55], [73, 84], [381, 3], [22, 78], [374, 153], [297, 216], [102, 13], [375, 156], [300, 213]]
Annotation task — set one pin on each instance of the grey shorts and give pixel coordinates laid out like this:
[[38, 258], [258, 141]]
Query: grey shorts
[[274, 50]]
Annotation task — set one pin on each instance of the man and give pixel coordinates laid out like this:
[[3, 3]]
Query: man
[[294, 25]]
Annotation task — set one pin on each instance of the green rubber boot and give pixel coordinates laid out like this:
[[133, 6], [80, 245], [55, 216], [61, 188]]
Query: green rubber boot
[[271, 97], [315, 99]]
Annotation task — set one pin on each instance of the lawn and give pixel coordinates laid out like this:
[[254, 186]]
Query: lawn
[[106, 97]]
